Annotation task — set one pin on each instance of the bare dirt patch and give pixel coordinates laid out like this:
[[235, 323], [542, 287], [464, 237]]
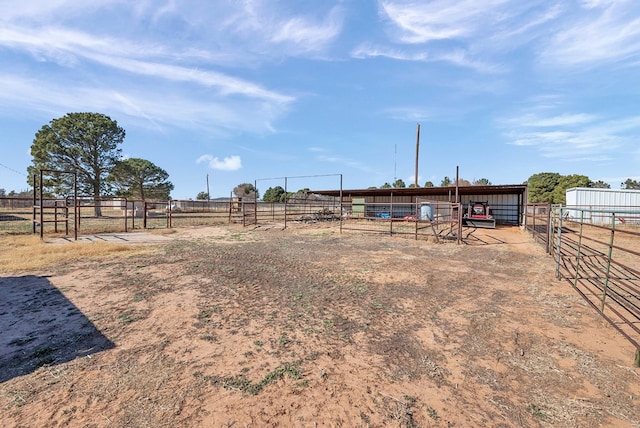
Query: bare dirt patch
[[306, 327]]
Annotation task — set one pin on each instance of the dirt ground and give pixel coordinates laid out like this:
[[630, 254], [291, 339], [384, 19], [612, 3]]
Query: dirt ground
[[306, 327]]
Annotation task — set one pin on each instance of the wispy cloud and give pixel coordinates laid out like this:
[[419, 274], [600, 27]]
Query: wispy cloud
[[229, 163], [572, 136], [68, 47], [559, 33], [606, 32], [457, 57], [150, 108], [421, 22]]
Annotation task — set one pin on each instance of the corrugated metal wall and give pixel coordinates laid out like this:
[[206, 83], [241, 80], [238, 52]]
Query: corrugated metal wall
[[592, 200], [506, 208]]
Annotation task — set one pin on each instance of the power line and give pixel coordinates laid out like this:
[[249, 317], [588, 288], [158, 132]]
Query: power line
[[11, 169]]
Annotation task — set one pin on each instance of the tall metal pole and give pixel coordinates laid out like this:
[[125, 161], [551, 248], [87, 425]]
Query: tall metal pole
[[395, 162], [208, 194], [417, 153], [457, 172]]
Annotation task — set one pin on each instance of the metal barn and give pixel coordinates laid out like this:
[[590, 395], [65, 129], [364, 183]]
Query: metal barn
[[506, 201], [597, 206]]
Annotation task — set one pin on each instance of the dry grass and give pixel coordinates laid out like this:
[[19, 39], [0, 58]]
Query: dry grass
[[28, 253]]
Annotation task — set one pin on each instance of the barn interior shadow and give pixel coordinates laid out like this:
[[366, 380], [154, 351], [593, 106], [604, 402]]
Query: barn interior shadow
[[39, 326]]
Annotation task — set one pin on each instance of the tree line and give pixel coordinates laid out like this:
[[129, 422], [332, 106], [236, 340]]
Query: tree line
[[551, 187], [446, 181]]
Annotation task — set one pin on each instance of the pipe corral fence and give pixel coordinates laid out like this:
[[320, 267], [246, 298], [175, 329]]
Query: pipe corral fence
[[422, 219], [596, 250]]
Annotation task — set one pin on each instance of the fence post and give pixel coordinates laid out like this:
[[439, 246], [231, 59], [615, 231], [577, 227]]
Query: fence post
[[549, 230], [575, 282], [608, 274], [559, 246]]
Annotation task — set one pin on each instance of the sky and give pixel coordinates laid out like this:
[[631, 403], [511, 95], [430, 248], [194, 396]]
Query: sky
[[233, 91]]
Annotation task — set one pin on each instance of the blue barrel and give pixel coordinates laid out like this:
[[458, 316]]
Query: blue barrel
[[426, 212]]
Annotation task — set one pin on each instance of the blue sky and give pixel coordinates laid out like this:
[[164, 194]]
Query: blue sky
[[249, 90]]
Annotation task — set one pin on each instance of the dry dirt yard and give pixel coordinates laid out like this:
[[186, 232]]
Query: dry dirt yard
[[305, 327]]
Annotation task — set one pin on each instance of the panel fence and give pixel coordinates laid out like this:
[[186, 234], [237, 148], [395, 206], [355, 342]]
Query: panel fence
[[600, 259]]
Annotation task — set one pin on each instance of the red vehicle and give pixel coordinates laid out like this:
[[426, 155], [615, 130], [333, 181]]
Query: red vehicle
[[479, 215]]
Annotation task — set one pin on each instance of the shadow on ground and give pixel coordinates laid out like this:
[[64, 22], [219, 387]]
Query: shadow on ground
[[40, 326]]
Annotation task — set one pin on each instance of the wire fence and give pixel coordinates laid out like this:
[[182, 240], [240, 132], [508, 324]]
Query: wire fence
[[422, 219]]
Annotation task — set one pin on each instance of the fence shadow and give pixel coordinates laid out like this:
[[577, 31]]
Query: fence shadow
[[40, 327]]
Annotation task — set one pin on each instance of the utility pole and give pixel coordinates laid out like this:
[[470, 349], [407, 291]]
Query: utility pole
[[395, 162], [208, 194], [417, 153]]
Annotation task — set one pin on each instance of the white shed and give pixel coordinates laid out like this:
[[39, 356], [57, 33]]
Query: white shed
[[598, 205]]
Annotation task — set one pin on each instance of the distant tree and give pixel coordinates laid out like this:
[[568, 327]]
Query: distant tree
[[85, 143], [202, 196], [274, 194], [630, 184], [601, 185], [413, 185], [463, 182], [541, 186], [386, 186], [446, 181], [3, 193], [20, 194], [428, 184], [481, 182], [140, 179], [371, 187], [246, 191], [567, 182], [399, 183]]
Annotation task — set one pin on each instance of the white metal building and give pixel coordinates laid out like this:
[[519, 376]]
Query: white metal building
[[598, 205]]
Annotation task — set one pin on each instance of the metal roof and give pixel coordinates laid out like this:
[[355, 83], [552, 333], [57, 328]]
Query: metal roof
[[518, 189]]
